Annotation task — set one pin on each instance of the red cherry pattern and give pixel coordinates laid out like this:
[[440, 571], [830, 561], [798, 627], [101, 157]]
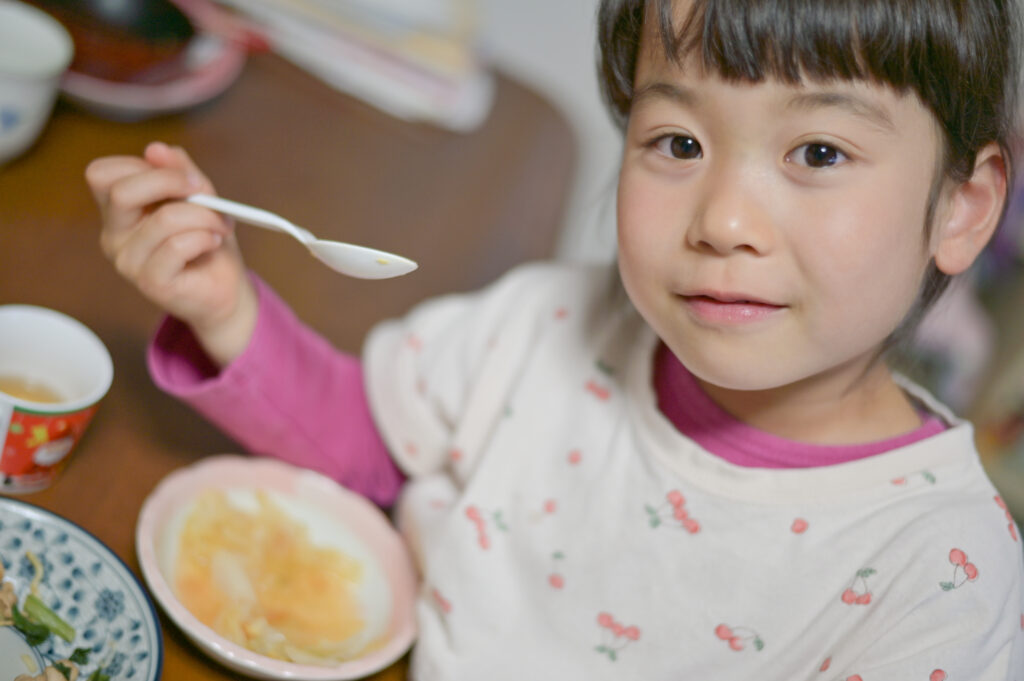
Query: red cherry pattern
[[617, 635], [555, 578], [476, 517], [937, 675], [1011, 525], [926, 476], [679, 514], [739, 637], [597, 390], [441, 602], [961, 565], [859, 592]]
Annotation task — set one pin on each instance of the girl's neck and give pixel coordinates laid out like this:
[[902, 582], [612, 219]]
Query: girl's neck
[[848, 405]]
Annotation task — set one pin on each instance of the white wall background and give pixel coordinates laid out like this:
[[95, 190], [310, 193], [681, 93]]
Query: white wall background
[[551, 46]]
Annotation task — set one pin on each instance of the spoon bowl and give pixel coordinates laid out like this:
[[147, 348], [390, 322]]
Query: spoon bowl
[[360, 262]]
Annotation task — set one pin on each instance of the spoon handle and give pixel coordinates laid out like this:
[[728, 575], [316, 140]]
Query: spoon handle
[[252, 216]]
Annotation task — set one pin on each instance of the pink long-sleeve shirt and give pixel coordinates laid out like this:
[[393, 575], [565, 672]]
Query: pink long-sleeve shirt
[[293, 396]]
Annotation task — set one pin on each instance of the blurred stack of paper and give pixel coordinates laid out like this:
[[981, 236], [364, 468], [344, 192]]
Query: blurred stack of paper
[[415, 59]]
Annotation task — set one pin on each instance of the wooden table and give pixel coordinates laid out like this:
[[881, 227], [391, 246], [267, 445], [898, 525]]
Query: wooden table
[[466, 207]]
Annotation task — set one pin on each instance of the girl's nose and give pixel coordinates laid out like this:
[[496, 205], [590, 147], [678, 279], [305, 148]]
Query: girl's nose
[[732, 216]]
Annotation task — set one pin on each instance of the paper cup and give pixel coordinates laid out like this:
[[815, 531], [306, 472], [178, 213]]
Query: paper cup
[[53, 373], [35, 50]]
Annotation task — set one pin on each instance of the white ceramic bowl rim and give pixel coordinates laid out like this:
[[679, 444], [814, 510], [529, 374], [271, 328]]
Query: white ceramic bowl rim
[[32, 43], [98, 353]]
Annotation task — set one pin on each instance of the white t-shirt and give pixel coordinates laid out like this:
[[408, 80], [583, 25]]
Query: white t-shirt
[[565, 529]]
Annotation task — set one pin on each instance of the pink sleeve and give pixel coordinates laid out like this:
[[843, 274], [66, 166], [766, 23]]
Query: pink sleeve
[[290, 395]]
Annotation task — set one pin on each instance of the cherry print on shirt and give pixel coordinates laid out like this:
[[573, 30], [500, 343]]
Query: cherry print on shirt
[[555, 578], [596, 387], [859, 593], [441, 601], [1011, 525], [615, 636], [855, 677], [826, 664], [923, 476], [739, 637], [937, 675], [673, 511], [575, 456], [799, 526], [455, 455], [963, 571], [483, 538], [597, 390]]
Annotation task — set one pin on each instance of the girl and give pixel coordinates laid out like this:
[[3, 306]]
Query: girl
[[714, 475]]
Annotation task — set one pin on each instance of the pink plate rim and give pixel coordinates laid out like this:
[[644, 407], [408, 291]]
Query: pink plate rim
[[365, 520], [196, 87]]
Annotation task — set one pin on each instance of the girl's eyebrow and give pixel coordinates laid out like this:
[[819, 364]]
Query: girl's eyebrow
[[660, 89], [851, 103]]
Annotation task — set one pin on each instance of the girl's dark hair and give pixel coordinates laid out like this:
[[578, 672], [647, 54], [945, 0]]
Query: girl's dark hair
[[958, 56]]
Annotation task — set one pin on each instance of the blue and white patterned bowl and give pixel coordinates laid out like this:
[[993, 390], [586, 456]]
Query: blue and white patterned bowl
[[88, 586]]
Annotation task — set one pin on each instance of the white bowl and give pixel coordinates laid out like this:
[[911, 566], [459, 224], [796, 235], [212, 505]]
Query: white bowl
[[334, 516], [35, 50]]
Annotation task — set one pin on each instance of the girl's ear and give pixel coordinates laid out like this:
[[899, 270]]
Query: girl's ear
[[972, 213]]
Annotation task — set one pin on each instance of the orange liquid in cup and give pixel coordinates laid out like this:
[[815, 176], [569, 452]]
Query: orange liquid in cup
[[31, 391]]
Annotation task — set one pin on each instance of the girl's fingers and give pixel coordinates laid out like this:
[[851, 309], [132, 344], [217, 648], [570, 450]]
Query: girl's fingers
[[164, 156], [102, 173], [134, 197], [132, 250], [166, 264]]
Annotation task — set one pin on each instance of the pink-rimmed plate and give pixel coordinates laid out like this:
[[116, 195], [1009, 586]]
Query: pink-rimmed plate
[[333, 514], [212, 64]]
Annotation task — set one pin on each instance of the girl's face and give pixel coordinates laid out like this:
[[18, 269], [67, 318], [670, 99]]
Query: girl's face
[[770, 233]]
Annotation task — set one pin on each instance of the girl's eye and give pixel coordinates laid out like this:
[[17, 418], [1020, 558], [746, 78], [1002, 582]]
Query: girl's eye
[[681, 147], [818, 155]]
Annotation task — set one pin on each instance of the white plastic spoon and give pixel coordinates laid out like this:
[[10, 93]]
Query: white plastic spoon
[[355, 261]]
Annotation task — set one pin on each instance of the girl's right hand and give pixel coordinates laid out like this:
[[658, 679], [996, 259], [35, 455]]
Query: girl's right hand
[[181, 256]]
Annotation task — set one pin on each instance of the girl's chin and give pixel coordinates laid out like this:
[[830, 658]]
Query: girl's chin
[[752, 374]]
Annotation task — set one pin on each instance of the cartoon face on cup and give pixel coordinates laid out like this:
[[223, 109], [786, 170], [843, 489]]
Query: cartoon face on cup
[[53, 373]]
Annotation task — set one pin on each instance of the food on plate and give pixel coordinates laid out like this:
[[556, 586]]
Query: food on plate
[[249, 569], [36, 622]]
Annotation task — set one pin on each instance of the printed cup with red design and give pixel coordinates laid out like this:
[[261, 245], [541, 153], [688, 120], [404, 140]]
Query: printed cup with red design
[[53, 373]]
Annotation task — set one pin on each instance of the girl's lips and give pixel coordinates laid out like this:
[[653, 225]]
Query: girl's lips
[[729, 309]]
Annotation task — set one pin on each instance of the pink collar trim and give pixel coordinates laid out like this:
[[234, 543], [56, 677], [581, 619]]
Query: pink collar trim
[[685, 404]]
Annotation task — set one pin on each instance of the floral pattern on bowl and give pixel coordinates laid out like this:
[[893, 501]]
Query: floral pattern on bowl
[[88, 586]]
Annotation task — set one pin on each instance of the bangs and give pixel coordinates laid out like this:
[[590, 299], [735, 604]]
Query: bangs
[[790, 40]]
